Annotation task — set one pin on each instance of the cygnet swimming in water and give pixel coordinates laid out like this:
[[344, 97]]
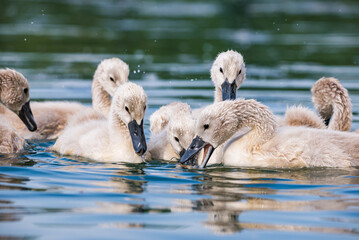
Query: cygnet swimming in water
[[15, 96], [53, 116], [266, 145], [175, 138], [119, 139], [176, 133], [227, 73]]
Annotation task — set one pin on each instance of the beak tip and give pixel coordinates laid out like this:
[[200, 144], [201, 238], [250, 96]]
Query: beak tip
[[33, 129]]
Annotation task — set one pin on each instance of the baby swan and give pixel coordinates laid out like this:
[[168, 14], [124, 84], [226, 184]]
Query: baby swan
[[160, 118], [228, 72], [120, 138], [173, 141], [330, 98], [52, 117], [14, 94], [110, 74], [176, 134], [266, 145]]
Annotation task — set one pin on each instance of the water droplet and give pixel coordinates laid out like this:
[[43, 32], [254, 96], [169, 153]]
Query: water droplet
[[32, 22], [134, 71], [155, 41], [278, 29], [138, 70], [25, 39], [138, 66]]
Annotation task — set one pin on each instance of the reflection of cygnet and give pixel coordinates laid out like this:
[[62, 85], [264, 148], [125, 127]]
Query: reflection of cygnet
[[222, 222]]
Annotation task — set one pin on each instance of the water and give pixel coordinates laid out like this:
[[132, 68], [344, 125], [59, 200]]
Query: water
[[170, 46]]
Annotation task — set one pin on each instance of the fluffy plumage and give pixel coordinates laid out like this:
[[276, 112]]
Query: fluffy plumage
[[107, 140], [176, 120], [332, 102], [14, 93], [110, 74], [52, 117], [227, 65], [302, 116], [266, 145], [172, 129]]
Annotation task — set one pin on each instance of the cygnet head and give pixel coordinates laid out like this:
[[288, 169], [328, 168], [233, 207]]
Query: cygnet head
[[129, 106], [228, 73], [214, 126], [111, 73], [180, 132], [15, 95]]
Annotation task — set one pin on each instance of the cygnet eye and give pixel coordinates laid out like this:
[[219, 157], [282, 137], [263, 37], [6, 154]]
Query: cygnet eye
[[144, 109], [206, 126], [111, 78], [176, 138], [26, 90], [126, 108], [221, 70], [239, 71]]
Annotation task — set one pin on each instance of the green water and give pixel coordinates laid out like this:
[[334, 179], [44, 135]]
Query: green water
[[170, 46]]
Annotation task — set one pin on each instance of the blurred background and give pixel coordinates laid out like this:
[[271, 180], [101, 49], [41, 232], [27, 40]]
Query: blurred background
[[170, 46]]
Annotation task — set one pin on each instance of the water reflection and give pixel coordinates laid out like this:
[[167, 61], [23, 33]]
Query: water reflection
[[233, 192], [169, 46]]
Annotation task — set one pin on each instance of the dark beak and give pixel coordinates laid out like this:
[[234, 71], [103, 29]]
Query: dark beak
[[229, 90], [138, 137], [193, 149], [326, 121], [182, 152], [26, 116]]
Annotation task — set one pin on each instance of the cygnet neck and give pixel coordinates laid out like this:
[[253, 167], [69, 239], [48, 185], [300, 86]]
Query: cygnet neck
[[101, 100], [333, 103], [252, 114], [218, 95], [116, 124]]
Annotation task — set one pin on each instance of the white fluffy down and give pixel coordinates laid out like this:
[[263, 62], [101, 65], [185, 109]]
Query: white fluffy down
[[266, 145], [107, 140]]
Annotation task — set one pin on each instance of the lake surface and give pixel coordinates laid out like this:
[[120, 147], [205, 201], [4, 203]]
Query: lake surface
[[170, 46]]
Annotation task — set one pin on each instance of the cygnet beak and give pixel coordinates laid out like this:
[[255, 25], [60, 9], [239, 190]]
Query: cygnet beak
[[182, 152], [194, 148], [229, 90], [26, 116], [138, 137]]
